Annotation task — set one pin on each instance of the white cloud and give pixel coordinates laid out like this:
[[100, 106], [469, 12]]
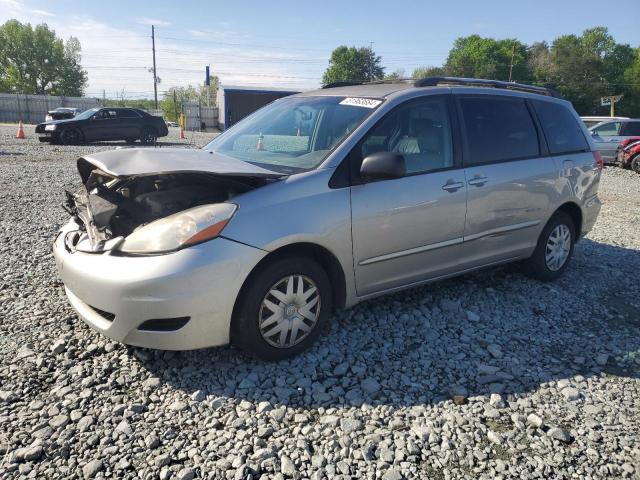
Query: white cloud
[[117, 59], [43, 13], [15, 9], [154, 21]]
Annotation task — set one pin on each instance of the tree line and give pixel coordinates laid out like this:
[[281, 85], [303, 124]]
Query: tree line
[[583, 68], [34, 61]]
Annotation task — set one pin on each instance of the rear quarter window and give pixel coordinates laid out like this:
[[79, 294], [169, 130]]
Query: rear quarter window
[[560, 127], [631, 129], [498, 129]]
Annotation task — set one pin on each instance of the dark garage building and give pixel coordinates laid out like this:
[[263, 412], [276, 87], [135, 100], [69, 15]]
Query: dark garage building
[[235, 103]]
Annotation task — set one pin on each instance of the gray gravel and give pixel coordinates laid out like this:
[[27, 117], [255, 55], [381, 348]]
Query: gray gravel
[[491, 375]]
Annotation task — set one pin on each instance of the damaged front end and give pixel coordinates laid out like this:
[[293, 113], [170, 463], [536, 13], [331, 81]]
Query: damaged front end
[[153, 212]]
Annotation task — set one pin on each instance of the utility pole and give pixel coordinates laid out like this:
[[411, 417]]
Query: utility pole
[[155, 77], [371, 79], [104, 98], [175, 105], [513, 54]]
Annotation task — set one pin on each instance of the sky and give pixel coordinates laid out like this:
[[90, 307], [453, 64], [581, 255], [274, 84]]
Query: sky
[[288, 43]]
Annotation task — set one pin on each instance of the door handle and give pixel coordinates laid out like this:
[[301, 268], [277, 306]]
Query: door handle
[[452, 186], [478, 181]]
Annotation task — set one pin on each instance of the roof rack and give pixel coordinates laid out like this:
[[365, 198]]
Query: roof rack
[[479, 82], [347, 83], [350, 83]]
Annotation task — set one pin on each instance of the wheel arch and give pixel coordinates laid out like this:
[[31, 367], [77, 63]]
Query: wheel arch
[[83, 137], [575, 212], [327, 260]]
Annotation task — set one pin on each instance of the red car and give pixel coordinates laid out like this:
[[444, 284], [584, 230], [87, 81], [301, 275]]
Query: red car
[[628, 154]]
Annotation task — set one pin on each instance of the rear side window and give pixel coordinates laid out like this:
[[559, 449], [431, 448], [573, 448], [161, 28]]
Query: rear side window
[[608, 129], [560, 127], [498, 129], [127, 114], [631, 129]]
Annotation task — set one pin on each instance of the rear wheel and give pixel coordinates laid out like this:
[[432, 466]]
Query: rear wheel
[[70, 136], [635, 164], [282, 309], [148, 136], [554, 249], [130, 140]]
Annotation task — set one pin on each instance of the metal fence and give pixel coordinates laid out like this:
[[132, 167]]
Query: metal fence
[[199, 117], [33, 108]]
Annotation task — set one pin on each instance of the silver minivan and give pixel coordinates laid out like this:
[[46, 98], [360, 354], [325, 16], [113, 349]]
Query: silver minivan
[[608, 135], [321, 200]]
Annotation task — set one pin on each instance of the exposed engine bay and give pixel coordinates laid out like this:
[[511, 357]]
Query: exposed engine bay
[[110, 207]]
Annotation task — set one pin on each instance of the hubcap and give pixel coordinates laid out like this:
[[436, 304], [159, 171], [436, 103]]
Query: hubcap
[[69, 136], [558, 247], [289, 311]]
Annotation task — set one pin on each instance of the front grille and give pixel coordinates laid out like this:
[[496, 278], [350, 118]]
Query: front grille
[[106, 315]]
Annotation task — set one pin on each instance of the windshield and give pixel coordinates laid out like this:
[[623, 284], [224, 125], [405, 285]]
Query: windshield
[[293, 134], [86, 114]]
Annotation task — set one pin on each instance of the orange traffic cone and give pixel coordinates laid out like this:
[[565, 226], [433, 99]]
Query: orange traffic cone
[[20, 133], [260, 145], [182, 135]]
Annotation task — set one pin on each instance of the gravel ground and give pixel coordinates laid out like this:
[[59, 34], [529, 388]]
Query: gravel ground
[[490, 375]]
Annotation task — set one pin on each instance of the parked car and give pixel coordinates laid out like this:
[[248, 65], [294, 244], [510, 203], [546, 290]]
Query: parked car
[[608, 135], [61, 113], [96, 124], [592, 121], [628, 154], [260, 235], [172, 124]]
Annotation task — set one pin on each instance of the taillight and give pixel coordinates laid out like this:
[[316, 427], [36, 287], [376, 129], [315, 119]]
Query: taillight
[[598, 158]]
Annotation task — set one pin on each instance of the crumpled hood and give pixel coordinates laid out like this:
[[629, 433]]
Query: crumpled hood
[[126, 162]]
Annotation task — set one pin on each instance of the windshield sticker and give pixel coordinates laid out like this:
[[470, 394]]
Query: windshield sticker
[[361, 102]]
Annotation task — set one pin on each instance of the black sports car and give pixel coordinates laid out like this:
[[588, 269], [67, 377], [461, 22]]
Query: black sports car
[[97, 124]]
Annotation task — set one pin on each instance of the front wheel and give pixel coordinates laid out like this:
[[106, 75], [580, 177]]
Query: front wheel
[[70, 136], [282, 309], [635, 164], [554, 249]]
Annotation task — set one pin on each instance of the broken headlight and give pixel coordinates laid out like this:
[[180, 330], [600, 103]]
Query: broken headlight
[[181, 229]]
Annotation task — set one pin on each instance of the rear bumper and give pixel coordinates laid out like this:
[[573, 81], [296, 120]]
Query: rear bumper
[[115, 295], [590, 213]]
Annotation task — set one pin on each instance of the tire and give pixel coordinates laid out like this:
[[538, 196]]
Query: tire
[[70, 136], [252, 310], [544, 265], [130, 140], [148, 136], [635, 164]]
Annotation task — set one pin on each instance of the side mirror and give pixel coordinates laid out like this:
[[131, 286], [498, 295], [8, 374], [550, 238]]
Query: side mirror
[[383, 166]]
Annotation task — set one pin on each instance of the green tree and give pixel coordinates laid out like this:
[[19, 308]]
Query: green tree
[[584, 68], [397, 74], [630, 104], [424, 72], [479, 57], [353, 64], [187, 94], [35, 61]]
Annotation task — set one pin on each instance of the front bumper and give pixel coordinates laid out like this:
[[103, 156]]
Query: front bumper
[[116, 294]]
